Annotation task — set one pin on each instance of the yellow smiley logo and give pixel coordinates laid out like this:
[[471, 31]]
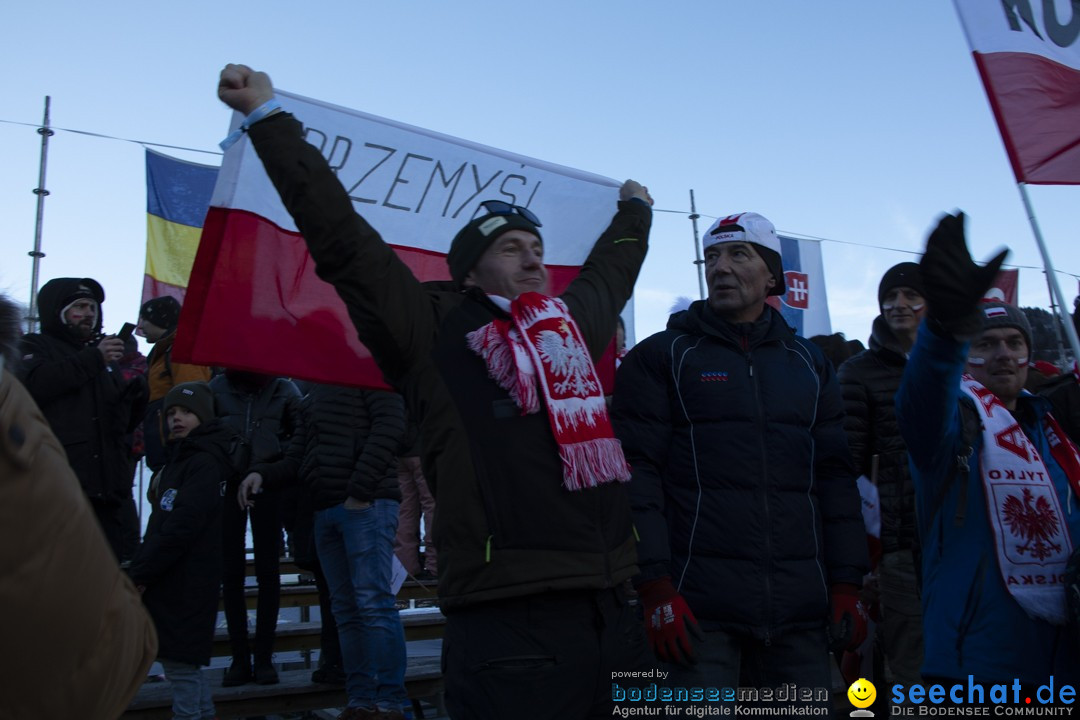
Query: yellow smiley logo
[[862, 693]]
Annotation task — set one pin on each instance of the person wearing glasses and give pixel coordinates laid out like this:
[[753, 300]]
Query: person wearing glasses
[[535, 536]]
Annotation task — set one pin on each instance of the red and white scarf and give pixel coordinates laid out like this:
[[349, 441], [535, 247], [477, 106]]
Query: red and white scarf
[[1031, 535], [541, 347]]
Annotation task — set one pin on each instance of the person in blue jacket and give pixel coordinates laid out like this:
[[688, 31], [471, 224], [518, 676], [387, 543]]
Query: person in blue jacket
[[995, 482]]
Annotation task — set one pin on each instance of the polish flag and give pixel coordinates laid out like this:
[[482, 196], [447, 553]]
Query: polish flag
[[1028, 55], [254, 302]]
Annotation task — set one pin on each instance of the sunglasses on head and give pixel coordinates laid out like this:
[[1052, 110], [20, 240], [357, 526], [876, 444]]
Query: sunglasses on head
[[498, 207]]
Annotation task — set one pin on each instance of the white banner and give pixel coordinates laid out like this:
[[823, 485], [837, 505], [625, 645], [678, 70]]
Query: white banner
[[418, 187]]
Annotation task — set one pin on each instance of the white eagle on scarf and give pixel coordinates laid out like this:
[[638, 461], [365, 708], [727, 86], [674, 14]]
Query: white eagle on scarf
[[568, 360]]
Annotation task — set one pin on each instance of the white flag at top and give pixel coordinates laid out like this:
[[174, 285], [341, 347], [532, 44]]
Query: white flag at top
[[1028, 55]]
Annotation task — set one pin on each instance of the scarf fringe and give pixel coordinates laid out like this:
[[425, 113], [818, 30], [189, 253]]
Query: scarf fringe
[[592, 463], [498, 355]]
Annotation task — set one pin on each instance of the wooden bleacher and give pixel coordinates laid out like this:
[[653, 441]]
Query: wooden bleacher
[[426, 624], [296, 692], [305, 595]]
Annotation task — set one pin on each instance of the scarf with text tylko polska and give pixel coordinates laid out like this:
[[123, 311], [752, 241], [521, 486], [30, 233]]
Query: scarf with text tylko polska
[[1030, 534], [541, 346]]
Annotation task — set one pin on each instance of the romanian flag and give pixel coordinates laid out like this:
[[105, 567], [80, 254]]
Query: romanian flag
[[255, 302], [177, 197]]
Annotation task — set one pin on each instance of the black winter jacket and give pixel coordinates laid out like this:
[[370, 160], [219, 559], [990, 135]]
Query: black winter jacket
[[506, 526], [346, 445], [742, 491], [265, 417], [180, 559], [869, 382], [89, 405]]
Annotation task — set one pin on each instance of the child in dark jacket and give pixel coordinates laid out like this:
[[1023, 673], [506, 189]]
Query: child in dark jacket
[[178, 568]]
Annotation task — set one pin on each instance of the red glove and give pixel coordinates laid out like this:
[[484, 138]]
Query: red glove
[[669, 622], [847, 629]]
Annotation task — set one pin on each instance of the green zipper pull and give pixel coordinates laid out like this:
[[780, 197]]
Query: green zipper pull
[[487, 549]]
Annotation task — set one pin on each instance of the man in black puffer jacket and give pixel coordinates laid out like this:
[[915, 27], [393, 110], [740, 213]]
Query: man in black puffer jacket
[[263, 411], [869, 382], [743, 495], [344, 454]]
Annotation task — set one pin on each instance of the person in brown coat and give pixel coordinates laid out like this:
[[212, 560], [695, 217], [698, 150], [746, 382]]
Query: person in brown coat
[[77, 640]]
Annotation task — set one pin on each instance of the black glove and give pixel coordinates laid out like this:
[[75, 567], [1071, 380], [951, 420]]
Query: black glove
[[954, 284]]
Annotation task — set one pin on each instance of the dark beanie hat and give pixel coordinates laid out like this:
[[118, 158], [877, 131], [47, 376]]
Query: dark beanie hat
[[163, 311], [475, 238], [195, 396], [906, 274], [1001, 315]]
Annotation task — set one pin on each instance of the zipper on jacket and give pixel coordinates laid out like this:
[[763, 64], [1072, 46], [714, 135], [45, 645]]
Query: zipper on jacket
[[487, 549], [970, 606], [599, 514], [764, 487]]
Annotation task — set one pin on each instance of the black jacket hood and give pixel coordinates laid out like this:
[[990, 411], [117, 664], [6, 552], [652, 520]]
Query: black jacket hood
[[51, 302]]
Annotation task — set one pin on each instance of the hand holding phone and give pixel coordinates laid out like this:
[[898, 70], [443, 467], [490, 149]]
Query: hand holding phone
[[126, 331]]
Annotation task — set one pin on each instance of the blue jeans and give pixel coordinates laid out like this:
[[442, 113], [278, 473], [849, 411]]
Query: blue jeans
[[355, 549], [191, 691]]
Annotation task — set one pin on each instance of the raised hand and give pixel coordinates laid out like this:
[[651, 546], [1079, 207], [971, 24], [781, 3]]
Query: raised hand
[[954, 284], [244, 89], [632, 189]]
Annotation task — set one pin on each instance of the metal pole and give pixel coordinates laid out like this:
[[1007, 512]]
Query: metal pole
[[42, 193], [697, 248], [1058, 322], [1051, 278]]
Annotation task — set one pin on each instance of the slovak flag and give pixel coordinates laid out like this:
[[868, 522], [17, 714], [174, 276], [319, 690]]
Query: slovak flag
[[254, 301], [1028, 55], [805, 306]]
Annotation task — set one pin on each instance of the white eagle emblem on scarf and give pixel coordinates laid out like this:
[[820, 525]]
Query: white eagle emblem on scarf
[[566, 359]]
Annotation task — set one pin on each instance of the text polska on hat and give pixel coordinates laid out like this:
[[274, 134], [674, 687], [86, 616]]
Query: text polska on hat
[[756, 229]]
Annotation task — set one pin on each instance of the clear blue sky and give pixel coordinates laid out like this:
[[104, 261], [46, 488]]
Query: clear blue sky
[[854, 121]]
